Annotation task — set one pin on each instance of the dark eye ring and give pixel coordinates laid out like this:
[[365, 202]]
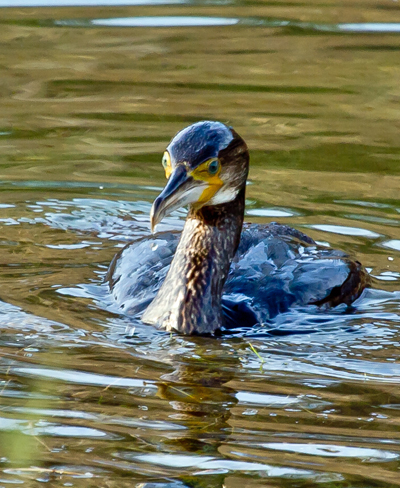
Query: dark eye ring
[[213, 167]]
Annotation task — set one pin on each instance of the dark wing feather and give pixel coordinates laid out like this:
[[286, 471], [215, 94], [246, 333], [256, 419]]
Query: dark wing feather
[[138, 270], [278, 267], [275, 268]]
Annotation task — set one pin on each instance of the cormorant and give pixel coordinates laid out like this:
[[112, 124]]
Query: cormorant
[[220, 273]]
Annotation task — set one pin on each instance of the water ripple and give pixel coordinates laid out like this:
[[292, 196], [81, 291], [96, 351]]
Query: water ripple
[[210, 463], [165, 21], [86, 3], [346, 231], [80, 377], [330, 450], [204, 21]]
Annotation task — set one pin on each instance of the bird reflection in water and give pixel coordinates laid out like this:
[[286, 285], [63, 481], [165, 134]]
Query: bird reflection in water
[[200, 395]]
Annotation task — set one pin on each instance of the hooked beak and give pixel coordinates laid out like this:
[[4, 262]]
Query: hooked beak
[[180, 190]]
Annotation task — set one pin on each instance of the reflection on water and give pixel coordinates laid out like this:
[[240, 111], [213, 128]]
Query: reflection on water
[[164, 22], [85, 3], [371, 27], [347, 231], [88, 104]]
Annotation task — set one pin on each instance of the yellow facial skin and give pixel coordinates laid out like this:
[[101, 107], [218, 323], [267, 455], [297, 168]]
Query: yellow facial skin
[[209, 172]]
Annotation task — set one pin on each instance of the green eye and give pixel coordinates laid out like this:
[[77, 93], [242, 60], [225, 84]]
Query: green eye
[[213, 167]]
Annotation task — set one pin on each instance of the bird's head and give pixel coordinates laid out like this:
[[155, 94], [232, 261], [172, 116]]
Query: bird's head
[[205, 164]]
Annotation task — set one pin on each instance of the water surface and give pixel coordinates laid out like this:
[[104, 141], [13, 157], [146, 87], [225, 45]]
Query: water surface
[[90, 97]]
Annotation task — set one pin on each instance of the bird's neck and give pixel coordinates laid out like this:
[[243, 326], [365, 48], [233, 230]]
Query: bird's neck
[[189, 300]]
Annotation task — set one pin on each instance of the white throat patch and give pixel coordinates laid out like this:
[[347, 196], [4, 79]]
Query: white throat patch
[[224, 195]]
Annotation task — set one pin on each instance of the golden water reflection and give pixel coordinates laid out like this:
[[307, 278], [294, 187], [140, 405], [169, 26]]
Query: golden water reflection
[[86, 112]]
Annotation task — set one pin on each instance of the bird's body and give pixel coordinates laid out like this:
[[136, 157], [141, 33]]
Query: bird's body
[[216, 274]]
